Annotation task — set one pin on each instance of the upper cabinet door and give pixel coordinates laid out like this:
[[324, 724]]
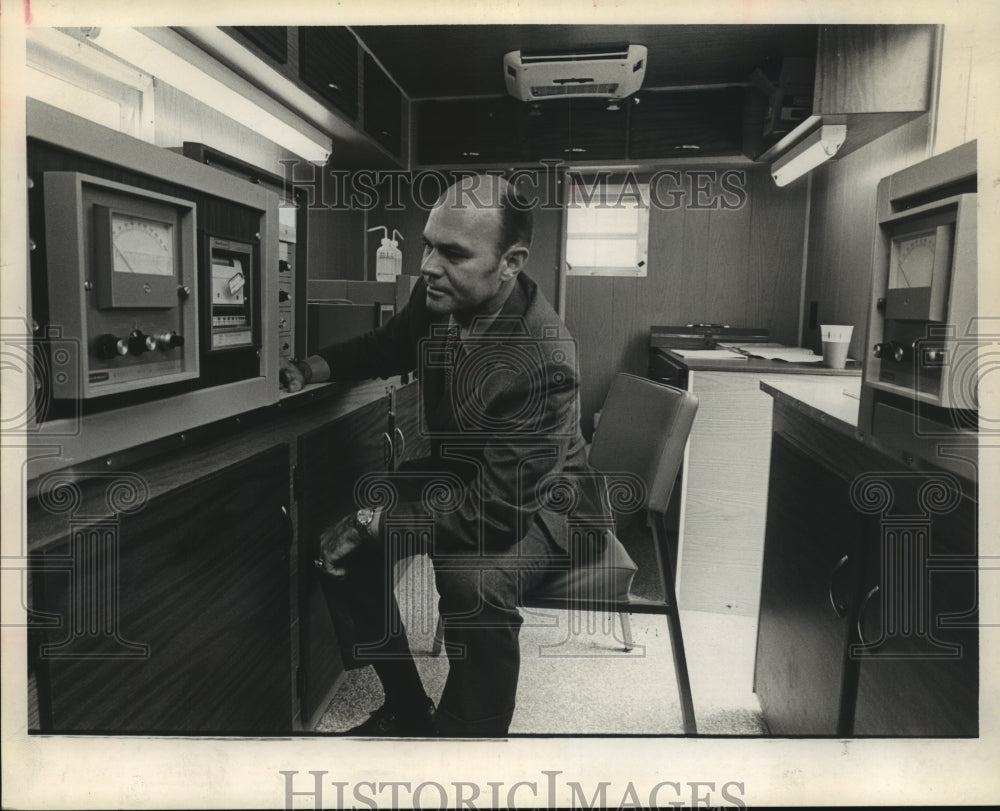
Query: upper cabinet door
[[490, 130], [271, 39], [687, 123], [578, 130], [383, 107], [328, 63]]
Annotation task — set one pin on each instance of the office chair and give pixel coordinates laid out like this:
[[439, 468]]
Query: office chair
[[643, 431]]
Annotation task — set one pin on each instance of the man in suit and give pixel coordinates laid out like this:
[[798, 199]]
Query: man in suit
[[499, 387]]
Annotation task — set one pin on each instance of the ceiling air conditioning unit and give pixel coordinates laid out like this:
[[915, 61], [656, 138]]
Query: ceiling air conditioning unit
[[610, 73]]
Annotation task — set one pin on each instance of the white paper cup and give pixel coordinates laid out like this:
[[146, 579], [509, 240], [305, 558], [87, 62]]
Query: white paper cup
[[835, 354], [836, 333]]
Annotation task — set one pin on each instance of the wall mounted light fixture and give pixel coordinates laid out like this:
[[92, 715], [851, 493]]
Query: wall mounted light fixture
[[818, 146]]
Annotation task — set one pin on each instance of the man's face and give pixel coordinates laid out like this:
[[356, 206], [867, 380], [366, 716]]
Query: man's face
[[461, 267]]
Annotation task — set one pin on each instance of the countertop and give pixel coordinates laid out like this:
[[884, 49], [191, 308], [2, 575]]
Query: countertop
[[831, 402], [760, 365]]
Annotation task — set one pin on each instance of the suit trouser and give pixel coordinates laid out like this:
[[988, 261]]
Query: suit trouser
[[479, 595]]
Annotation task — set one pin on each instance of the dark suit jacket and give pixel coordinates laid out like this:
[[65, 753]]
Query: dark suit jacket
[[507, 425]]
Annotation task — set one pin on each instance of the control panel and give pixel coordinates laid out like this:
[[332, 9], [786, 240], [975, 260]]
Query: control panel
[[122, 271]]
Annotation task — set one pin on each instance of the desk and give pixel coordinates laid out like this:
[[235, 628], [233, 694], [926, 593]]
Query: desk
[[725, 474]]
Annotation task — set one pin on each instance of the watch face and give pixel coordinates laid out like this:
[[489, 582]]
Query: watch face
[[142, 245]]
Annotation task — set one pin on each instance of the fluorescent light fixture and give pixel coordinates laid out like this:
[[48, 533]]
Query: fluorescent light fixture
[[819, 146], [168, 57]]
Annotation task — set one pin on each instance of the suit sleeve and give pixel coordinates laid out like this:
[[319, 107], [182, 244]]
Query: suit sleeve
[[384, 352]]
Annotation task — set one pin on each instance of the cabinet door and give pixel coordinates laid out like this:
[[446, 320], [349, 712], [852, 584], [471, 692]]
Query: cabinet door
[[331, 459], [809, 585], [687, 123], [581, 129], [919, 665], [383, 108], [328, 63], [176, 618], [410, 442], [271, 39], [471, 131]]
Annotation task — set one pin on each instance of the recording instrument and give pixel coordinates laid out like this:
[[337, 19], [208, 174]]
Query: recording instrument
[[122, 281], [920, 383]]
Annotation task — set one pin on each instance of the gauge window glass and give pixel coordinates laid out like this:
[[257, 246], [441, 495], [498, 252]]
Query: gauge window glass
[[913, 262], [142, 245]]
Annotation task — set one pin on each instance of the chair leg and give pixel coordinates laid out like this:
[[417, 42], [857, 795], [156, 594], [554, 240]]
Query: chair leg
[[674, 624], [626, 630]]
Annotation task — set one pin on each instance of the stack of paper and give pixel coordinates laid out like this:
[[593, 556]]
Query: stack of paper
[[770, 351], [709, 354]]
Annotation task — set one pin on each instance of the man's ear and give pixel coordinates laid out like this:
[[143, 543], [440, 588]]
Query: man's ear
[[513, 262]]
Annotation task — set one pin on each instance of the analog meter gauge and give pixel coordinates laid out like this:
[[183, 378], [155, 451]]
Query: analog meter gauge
[[141, 245], [136, 257], [913, 264]]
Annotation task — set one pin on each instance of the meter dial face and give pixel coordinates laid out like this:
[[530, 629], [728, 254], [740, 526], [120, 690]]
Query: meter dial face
[[142, 245], [914, 265]]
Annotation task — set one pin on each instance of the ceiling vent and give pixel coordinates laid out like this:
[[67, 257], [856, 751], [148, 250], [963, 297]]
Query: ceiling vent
[[610, 73]]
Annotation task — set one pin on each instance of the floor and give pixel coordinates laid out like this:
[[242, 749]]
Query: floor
[[576, 678]]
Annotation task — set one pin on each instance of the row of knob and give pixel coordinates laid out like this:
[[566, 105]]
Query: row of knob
[[897, 352], [136, 343]]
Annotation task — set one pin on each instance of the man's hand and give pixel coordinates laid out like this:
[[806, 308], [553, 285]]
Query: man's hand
[[339, 541], [291, 376]]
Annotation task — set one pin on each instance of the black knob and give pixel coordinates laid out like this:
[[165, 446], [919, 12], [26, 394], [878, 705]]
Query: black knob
[[137, 342], [169, 340], [880, 350], [898, 352], [110, 346], [284, 266], [283, 295]]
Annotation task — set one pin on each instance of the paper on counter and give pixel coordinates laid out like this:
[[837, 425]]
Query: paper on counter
[[708, 354], [789, 354]]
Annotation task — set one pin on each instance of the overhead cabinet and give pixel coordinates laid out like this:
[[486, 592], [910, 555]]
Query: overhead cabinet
[[471, 131], [328, 63], [383, 107], [687, 123], [874, 78]]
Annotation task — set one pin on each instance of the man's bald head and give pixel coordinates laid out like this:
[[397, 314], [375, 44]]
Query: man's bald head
[[493, 192]]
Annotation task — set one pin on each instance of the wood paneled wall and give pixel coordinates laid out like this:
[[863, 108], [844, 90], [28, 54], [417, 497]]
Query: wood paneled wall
[[842, 230], [740, 267]]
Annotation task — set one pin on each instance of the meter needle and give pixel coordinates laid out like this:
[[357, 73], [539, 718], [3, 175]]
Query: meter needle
[[124, 259]]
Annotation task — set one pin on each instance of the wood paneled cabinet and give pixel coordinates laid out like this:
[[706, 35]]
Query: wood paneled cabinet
[[873, 78], [328, 64], [687, 123], [170, 615], [809, 584], [868, 618], [383, 110], [331, 460]]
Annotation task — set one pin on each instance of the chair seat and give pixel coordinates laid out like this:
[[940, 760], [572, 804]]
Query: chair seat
[[605, 578]]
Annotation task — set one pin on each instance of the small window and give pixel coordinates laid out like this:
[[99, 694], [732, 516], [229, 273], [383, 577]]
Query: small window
[[607, 228]]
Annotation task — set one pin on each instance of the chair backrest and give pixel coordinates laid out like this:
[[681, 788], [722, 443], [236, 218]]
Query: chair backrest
[[643, 429]]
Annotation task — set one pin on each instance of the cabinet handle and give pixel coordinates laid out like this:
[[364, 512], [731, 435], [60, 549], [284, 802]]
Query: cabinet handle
[[402, 443], [388, 449], [861, 615], [839, 609]]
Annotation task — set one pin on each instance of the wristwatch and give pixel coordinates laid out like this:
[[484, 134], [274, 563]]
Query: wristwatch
[[363, 520]]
